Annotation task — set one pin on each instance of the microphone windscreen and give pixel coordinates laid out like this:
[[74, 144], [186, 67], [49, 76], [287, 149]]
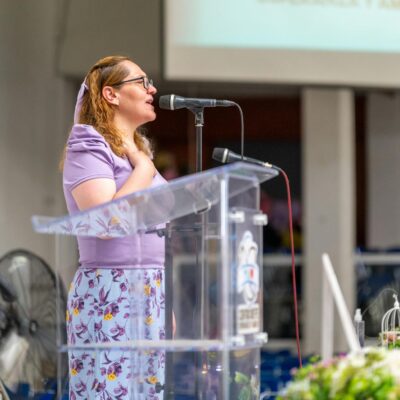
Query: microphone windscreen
[[219, 154], [165, 102]]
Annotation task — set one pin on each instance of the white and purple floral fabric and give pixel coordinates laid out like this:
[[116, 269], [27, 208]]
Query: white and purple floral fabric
[[116, 305]]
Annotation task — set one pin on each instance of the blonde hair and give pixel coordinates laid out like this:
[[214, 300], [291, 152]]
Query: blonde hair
[[96, 111]]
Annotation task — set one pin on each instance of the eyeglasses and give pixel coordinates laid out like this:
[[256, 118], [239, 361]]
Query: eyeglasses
[[145, 81]]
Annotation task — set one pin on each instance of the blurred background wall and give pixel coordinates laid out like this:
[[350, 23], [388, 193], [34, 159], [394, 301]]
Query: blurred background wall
[[35, 113]]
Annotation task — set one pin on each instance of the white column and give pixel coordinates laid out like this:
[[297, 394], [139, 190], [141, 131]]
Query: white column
[[328, 199], [383, 170]]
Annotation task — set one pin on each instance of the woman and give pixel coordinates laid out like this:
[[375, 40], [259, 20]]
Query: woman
[[118, 291]]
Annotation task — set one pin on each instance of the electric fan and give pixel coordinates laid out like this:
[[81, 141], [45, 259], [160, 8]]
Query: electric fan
[[28, 320]]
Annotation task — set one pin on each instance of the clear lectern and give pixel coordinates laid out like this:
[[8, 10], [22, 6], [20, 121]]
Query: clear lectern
[[212, 228]]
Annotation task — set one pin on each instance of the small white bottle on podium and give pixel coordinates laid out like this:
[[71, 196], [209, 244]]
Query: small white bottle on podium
[[359, 326]]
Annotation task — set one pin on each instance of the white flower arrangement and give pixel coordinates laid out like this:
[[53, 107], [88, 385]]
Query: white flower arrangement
[[373, 374]]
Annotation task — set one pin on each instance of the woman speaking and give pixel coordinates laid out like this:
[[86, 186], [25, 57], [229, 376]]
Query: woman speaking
[[119, 279]]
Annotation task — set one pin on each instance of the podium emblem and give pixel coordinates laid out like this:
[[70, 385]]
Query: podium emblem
[[248, 285]]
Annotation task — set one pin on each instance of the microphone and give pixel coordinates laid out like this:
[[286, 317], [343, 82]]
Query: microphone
[[225, 156], [173, 102]]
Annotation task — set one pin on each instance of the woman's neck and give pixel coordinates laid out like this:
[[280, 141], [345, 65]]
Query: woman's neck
[[125, 128]]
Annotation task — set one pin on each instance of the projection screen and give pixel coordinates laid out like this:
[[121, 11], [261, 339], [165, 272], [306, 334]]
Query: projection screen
[[328, 42]]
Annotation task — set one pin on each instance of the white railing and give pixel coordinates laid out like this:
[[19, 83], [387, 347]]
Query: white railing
[[370, 258]]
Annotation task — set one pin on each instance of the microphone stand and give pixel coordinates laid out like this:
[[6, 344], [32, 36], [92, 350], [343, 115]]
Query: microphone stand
[[201, 358], [199, 123]]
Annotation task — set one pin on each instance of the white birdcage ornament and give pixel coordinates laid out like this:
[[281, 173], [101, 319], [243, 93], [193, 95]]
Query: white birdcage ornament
[[390, 329]]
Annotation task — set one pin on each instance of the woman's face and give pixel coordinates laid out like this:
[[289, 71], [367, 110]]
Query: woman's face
[[134, 101]]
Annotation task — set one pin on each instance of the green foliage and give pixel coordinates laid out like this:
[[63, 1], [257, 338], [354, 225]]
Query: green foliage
[[241, 378], [373, 374], [247, 386]]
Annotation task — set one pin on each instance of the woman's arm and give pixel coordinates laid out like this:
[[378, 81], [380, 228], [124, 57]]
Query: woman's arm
[[97, 191]]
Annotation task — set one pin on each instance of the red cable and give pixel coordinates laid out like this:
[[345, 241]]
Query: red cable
[[296, 316]]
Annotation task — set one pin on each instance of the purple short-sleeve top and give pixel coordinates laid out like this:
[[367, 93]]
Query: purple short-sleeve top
[[89, 156]]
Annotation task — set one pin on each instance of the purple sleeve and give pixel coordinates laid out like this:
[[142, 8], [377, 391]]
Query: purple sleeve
[[88, 156]]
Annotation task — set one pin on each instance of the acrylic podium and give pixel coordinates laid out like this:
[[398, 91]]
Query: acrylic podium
[[212, 227]]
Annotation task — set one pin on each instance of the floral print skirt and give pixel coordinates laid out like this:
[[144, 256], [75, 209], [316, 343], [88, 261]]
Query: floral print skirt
[[116, 305]]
